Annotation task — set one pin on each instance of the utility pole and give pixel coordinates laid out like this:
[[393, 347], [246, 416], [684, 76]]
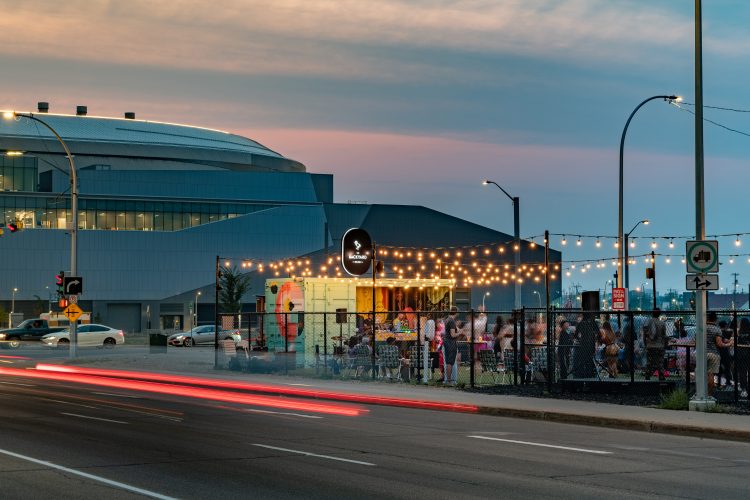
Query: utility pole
[[734, 293]]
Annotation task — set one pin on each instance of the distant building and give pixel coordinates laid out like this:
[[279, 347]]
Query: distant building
[[158, 203]]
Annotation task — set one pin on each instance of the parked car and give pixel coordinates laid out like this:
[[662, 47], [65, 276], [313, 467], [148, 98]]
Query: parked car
[[88, 335], [202, 335], [31, 329]]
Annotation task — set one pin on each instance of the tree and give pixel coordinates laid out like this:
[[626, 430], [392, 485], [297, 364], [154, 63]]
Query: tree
[[234, 285]]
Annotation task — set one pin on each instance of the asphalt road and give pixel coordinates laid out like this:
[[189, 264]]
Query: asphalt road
[[66, 440]]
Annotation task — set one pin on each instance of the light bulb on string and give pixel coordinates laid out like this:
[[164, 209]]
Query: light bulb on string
[[564, 241], [632, 244], [731, 260], [737, 242], [578, 241], [598, 243], [671, 244], [653, 244]]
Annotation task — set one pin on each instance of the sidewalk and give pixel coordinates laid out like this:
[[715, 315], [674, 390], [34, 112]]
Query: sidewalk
[[707, 425]]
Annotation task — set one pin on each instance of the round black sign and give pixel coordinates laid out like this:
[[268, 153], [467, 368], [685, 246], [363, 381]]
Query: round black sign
[[356, 251]]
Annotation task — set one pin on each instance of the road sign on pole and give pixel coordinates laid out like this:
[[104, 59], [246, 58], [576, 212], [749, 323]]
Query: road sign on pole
[[72, 285], [702, 282], [702, 257], [619, 299], [72, 312]]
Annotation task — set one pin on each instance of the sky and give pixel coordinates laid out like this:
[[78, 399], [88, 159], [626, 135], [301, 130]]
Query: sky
[[416, 102]]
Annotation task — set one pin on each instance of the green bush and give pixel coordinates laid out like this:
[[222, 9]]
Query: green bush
[[675, 400]]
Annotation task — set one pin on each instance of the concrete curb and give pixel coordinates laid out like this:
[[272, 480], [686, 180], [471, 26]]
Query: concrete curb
[[619, 423]]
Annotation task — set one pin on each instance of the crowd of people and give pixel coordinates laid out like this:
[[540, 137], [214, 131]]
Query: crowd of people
[[587, 345]]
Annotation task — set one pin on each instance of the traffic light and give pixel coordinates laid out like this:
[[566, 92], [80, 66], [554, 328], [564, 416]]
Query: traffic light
[[13, 227], [62, 302], [59, 279]]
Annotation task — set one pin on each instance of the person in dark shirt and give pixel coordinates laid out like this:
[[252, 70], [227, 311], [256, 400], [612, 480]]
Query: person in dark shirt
[[564, 347], [742, 355], [587, 332], [450, 346]]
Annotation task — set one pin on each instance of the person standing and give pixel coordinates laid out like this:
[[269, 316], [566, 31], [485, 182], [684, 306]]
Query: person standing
[[587, 332], [655, 340], [742, 355], [713, 337], [450, 347], [564, 347], [725, 353], [427, 334]]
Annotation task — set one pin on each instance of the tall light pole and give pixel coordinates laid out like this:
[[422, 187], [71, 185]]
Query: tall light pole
[[538, 296], [516, 237], [12, 115], [702, 399], [645, 222], [13, 301], [486, 294], [620, 235], [197, 294]]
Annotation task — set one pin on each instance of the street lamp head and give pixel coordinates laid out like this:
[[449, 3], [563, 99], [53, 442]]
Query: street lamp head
[[675, 98], [487, 294], [646, 222], [485, 182]]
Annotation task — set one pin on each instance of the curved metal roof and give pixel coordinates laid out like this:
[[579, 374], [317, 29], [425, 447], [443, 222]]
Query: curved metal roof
[[101, 136]]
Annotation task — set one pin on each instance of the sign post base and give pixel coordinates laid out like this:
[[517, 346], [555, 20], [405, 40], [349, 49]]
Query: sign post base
[[696, 404]]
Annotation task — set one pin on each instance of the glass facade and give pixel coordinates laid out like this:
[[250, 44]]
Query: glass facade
[[18, 173], [53, 212]]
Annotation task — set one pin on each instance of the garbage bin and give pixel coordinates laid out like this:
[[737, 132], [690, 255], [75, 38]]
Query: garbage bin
[[157, 343]]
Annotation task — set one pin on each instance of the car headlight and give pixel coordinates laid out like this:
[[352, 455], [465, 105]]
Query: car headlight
[[49, 338], [2, 336]]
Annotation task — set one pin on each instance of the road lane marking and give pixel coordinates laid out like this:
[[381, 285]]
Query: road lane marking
[[94, 418], [69, 403], [16, 383], [86, 475], [543, 445], [301, 385], [312, 454], [284, 413], [116, 395]]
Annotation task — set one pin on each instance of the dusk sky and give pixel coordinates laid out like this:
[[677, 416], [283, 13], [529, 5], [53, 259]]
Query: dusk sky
[[416, 102]]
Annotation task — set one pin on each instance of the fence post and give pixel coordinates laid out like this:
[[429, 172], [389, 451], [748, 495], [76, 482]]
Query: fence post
[[325, 343], [515, 346], [687, 369], [734, 365], [550, 347], [471, 350], [286, 343], [523, 345], [418, 372], [631, 325]]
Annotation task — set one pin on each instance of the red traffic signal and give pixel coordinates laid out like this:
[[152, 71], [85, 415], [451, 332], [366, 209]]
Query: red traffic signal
[[13, 227], [59, 279], [62, 303]]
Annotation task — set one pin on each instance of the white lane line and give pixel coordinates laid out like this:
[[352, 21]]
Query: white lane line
[[69, 403], [86, 475], [94, 418], [543, 445], [301, 385], [16, 383], [284, 413], [115, 395], [312, 454]]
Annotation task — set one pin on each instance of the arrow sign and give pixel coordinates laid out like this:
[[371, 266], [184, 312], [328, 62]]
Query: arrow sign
[[73, 285], [702, 282]]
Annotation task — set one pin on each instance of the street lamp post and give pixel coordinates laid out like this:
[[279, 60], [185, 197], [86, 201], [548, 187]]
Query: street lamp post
[[645, 222], [620, 238], [13, 301], [73, 206], [486, 294], [195, 320], [516, 237], [538, 296]]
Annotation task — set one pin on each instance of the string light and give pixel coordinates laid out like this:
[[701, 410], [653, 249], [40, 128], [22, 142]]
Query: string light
[[598, 243], [737, 242]]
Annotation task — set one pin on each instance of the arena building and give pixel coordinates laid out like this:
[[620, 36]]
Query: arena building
[[159, 201]]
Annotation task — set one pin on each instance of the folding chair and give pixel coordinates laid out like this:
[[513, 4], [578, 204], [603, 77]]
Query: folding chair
[[388, 360], [489, 364]]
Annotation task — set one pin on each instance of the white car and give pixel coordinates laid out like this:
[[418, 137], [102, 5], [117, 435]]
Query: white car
[[202, 335], [88, 335]]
